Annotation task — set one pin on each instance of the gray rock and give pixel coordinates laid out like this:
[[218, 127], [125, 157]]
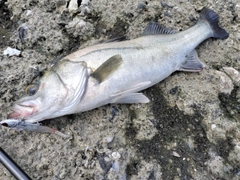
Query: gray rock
[[199, 120]]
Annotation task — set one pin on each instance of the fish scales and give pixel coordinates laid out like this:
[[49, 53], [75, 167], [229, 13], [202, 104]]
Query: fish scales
[[148, 58]]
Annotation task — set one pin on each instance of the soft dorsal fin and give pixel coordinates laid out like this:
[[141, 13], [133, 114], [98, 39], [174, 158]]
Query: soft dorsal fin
[[154, 28], [107, 68]]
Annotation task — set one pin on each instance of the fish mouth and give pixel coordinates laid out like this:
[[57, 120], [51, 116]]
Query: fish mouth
[[23, 109]]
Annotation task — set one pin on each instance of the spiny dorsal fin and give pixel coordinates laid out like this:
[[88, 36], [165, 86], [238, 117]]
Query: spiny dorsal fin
[[107, 68], [116, 39], [154, 28]]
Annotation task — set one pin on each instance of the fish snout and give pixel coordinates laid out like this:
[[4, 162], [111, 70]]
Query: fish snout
[[25, 109]]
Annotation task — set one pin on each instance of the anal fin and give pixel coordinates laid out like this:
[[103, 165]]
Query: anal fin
[[132, 98], [192, 63], [130, 95]]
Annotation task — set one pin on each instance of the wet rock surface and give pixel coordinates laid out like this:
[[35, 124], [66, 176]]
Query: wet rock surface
[[189, 130]]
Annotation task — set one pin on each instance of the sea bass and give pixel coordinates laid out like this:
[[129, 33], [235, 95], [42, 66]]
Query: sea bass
[[115, 72]]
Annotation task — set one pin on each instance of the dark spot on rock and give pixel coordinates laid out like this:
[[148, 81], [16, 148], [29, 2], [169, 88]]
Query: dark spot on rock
[[131, 131], [173, 126], [230, 104], [152, 176], [33, 3], [167, 14], [79, 2], [142, 6], [129, 15], [41, 38], [132, 115], [157, 16], [119, 29], [224, 148], [192, 18], [165, 5], [174, 90], [114, 112], [105, 165], [22, 31], [132, 168], [7, 26]]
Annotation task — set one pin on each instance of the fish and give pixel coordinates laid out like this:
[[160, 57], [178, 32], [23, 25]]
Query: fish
[[115, 72]]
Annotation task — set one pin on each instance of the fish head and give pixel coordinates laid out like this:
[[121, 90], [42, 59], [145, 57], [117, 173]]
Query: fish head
[[41, 99], [55, 94]]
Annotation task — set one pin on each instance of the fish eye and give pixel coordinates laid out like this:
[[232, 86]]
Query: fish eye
[[32, 89]]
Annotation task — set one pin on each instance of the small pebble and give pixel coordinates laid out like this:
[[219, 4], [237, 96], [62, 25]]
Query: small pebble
[[232, 73], [114, 111], [175, 154], [109, 139], [116, 155], [115, 166], [213, 126], [28, 12], [11, 52]]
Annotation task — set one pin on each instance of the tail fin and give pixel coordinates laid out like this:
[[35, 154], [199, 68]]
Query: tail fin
[[212, 19]]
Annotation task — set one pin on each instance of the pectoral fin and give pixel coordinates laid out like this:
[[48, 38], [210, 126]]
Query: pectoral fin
[[192, 63], [107, 68], [130, 95]]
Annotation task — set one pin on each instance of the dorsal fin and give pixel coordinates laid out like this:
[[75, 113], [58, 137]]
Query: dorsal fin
[[154, 28], [116, 39], [107, 68]]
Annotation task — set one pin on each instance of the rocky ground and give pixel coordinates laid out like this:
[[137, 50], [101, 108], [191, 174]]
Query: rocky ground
[[189, 130]]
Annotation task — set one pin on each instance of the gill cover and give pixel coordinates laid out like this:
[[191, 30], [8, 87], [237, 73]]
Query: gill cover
[[74, 76]]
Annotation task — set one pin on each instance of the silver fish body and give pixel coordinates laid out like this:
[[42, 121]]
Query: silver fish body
[[146, 61], [115, 72]]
